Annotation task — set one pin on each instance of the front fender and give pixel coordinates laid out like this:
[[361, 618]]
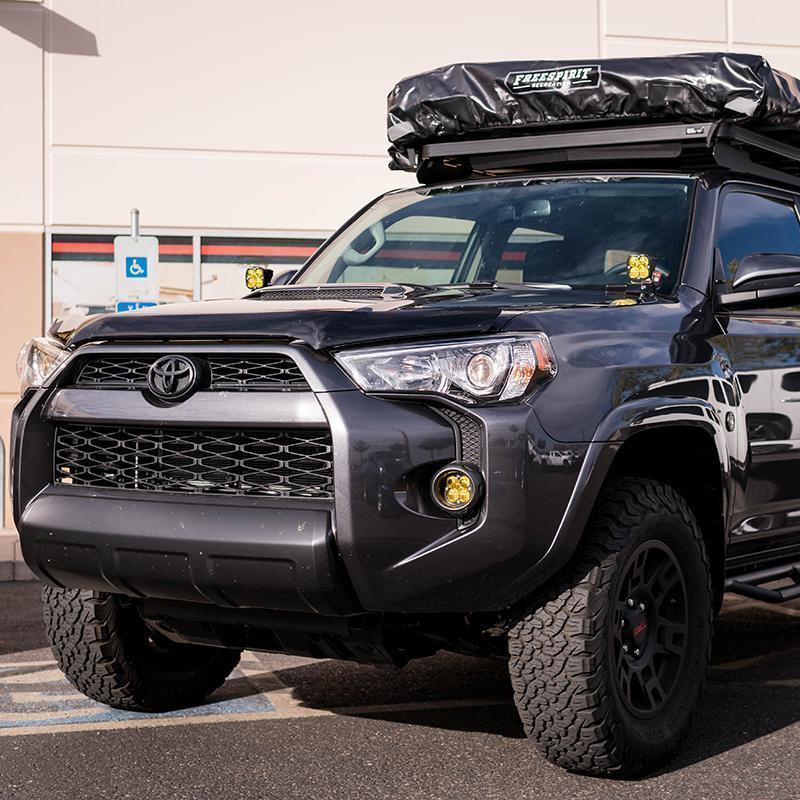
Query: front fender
[[618, 426]]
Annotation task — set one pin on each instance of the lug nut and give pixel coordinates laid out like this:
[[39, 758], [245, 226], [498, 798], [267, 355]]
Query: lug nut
[[623, 623], [641, 606], [637, 652], [625, 648], [630, 602]]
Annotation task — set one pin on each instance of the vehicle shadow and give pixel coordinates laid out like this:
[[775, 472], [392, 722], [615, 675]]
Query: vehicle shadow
[[753, 688]]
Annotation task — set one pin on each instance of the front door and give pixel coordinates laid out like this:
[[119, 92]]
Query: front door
[[765, 354]]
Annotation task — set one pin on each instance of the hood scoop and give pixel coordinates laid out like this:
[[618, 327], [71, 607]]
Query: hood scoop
[[332, 292]]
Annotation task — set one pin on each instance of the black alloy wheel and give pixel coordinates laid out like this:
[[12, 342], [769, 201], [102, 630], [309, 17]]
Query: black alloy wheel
[[650, 629]]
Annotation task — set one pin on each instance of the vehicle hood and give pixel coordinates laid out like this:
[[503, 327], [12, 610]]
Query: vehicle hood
[[323, 322]]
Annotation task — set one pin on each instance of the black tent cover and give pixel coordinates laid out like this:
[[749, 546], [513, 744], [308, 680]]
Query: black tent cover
[[507, 98]]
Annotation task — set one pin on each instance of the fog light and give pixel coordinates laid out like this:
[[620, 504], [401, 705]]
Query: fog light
[[456, 488]]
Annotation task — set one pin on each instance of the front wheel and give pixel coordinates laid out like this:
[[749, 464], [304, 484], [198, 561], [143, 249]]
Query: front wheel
[[108, 653], [609, 665]]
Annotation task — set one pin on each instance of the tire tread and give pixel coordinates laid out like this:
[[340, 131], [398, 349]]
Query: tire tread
[[89, 643], [558, 645]]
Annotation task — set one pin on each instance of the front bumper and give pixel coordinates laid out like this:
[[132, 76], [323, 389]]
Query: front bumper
[[373, 547], [188, 549]]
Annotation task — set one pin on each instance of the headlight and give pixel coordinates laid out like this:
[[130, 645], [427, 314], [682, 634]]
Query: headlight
[[37, 360], [476, 371]]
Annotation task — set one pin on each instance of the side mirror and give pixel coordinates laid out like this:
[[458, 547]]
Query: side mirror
[[767, 271], [764, 279], [284, 277]]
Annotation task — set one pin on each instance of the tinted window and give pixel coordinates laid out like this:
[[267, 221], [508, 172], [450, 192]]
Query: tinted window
[[418, 248], [555, 233], [751, 223]]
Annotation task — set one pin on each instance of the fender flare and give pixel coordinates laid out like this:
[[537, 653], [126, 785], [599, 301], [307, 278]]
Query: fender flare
[[617, 427]]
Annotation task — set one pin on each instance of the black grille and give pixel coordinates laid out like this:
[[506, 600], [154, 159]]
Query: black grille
[[228, 373], [278, 463], [118, 372], [264, 372]]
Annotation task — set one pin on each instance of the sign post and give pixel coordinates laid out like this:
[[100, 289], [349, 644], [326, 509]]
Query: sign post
[[136, 267]]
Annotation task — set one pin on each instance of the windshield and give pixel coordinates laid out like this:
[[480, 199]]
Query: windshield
[[559, 233]]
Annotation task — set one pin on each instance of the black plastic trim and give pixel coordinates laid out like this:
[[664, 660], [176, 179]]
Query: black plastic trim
[[229, 554]]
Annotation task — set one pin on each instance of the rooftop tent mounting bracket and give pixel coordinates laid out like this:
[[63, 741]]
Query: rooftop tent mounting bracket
[[706, 145], [569, 139]]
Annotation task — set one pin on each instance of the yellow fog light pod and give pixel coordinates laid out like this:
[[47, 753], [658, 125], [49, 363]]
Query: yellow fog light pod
[[456, 488], [638, 267], [257, 277]]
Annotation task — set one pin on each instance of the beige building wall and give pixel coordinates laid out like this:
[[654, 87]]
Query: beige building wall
[[264, 117], [21, 306]]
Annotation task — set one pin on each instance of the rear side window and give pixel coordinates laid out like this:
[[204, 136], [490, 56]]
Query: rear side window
[[752, 223]]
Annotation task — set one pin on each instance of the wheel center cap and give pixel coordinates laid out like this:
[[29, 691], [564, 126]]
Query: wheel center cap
[[639, 628], [635, 630]]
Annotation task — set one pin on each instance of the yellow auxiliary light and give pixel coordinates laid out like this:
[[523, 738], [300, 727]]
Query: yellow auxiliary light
[[255, 278], [638, 267], [456, 487]]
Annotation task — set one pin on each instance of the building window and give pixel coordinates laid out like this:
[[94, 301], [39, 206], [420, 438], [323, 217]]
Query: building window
[[83, 272], [224, 261], [83, 282]]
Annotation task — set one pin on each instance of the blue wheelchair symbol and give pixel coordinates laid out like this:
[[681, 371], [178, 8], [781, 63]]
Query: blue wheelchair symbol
[[135, 267]]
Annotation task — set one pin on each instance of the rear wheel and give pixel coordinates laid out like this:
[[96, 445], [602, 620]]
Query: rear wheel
[[609, 665], [108, 653]]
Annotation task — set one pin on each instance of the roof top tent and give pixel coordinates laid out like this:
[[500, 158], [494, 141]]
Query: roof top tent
[[693, 111]]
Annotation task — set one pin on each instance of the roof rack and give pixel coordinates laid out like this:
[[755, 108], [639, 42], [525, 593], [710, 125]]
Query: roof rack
[[700, 145]]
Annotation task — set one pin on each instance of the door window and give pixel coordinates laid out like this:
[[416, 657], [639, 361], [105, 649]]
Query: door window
[[752, 223]]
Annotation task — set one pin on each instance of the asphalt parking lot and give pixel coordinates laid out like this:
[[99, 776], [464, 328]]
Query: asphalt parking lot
[[441, 728]]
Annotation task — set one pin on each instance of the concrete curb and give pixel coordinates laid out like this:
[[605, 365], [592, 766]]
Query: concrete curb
[[12, 565]]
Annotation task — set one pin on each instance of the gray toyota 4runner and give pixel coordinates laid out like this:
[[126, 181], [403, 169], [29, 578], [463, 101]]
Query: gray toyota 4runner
[[539, 408]]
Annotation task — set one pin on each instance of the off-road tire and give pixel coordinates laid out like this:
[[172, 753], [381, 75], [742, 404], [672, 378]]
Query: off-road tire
[[564, 659], [106, 652]]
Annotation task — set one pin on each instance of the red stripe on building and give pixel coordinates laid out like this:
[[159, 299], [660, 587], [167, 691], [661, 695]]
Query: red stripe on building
[[108, 247], [83, 247], [256, 250]]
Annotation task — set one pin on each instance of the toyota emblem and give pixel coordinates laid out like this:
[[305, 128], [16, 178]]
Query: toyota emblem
[[172, 378]]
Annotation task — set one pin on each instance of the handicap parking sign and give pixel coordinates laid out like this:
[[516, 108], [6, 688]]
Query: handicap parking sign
[[135, 267]]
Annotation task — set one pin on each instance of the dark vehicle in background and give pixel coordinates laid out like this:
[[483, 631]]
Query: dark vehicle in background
[[530, 410]]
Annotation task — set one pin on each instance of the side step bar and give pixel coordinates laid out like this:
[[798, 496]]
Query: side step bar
[[750, 584]]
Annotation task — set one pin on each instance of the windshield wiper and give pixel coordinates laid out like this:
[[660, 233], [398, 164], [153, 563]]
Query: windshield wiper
[[490, 285]]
